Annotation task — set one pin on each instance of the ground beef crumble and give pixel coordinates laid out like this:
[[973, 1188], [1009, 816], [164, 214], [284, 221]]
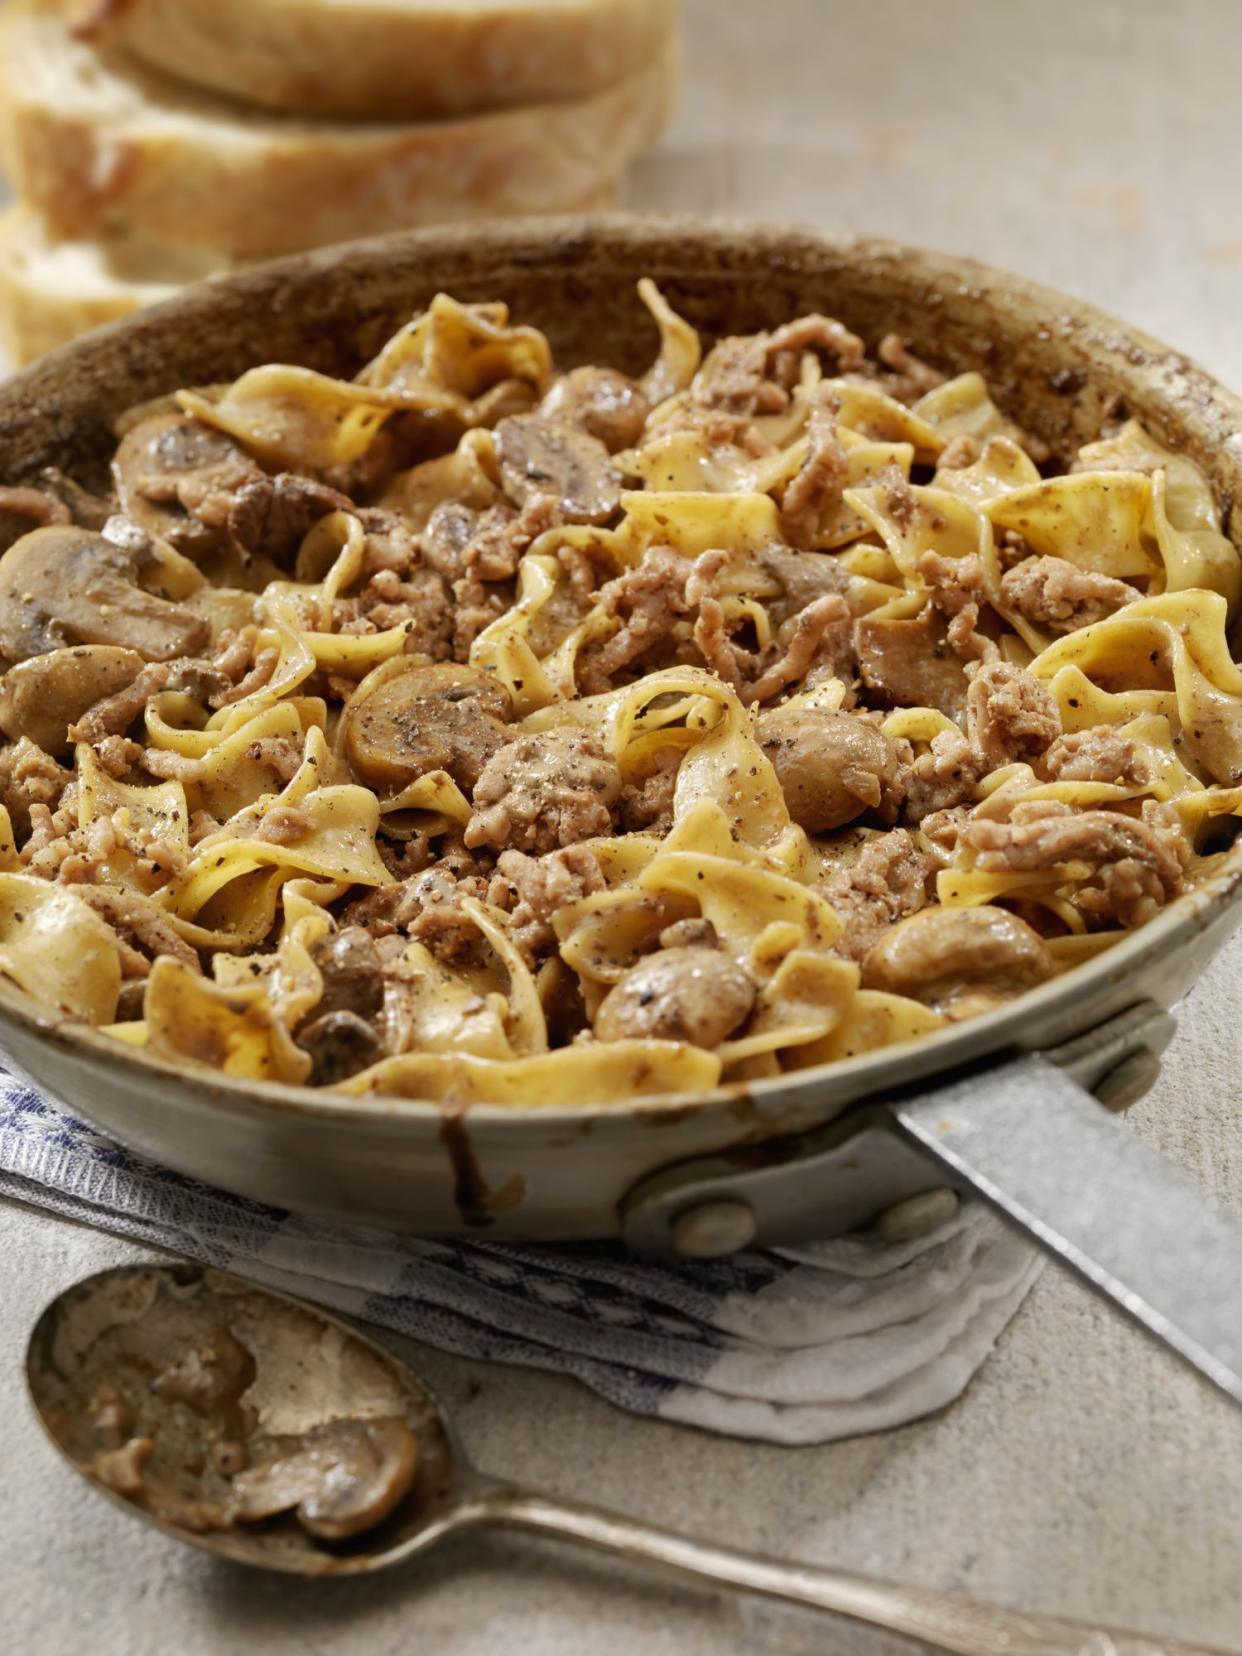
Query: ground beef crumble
[[818, 484], [1012, 715], [425, 907], [533, 889], [136, 919], [545, 791], [908, 377], [1101, 754], [813, 644], [755, 374], [888, 880], [646, 603], [1137, 862], [648, 805], [1054, 593], [28, 778], [944, 776], [956, 589]]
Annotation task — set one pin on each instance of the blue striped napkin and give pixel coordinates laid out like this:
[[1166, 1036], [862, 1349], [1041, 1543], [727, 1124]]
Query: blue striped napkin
[[799, 1346]]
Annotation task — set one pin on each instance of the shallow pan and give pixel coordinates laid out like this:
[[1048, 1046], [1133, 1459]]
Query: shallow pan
[[998, 1104]]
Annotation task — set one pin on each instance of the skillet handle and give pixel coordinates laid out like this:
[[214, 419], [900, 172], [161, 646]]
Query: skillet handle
[[1038, 1147], [1030, 1139]]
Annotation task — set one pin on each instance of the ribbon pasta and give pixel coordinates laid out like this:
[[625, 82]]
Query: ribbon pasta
[[573, 737]]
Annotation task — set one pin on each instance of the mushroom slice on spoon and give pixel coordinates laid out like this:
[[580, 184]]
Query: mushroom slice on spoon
[[342, 1478]]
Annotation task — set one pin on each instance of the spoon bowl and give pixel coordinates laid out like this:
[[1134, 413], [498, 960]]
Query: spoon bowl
[[98, 1367], [310, 1368]]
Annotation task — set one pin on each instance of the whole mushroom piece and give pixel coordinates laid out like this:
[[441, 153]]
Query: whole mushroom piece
[[831, 766], [959, 961], [693, 994]]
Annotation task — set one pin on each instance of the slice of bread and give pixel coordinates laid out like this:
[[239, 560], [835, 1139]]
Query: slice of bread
[[102, 147], [387, 59], [52, 291]]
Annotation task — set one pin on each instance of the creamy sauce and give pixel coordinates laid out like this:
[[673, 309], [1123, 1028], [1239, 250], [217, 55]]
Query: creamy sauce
[[217, 1409]]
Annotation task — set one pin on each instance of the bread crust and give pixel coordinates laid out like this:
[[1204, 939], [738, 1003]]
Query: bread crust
[[102, 147], [52, 292], [387, 59]]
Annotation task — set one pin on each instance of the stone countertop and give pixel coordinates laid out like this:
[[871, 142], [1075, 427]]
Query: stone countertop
[[1085, 1472]]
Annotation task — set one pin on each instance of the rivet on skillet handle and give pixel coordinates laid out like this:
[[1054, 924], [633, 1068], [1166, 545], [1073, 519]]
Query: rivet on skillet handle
[[1029, 1139]]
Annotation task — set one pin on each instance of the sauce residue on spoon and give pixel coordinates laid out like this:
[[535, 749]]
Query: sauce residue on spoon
[[213, 1407]]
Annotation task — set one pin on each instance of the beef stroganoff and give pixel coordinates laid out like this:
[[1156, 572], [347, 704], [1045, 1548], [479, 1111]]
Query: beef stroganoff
[[474, 731]]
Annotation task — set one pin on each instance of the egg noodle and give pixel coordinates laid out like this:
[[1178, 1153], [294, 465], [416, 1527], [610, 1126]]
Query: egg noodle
[[549, 739]]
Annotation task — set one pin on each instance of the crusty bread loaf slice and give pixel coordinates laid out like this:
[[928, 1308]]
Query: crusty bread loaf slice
[[102, 147], [52, 291], [387, 59]]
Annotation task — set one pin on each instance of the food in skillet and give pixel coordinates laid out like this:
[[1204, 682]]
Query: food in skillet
[[474, 731]]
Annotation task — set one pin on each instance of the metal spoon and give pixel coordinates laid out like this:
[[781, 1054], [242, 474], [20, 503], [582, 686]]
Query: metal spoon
[[118, 1329]]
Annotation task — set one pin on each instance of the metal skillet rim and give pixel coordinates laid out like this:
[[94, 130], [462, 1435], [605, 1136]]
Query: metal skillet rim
[[867, 1074]]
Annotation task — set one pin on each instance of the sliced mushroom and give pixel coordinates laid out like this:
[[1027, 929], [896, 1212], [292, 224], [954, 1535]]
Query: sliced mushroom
[[695, 933], [805, 576], [687, 994], [33, 505], [831, 766], [539, 456], [46, 694], [910, 663], [340, 1044], [959, 961], [602, 402], [23, 508], [62, 586], [177, 477], [210, 1377], [423, 718], [87, 510], [51, 498], [353, 977], [449, 531], [343, 1477]]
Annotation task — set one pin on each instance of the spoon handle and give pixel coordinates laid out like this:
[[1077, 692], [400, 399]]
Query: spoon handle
[[943, 1620]]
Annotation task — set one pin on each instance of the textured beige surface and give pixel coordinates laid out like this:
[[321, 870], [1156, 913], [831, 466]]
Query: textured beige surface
[[1092, 145]]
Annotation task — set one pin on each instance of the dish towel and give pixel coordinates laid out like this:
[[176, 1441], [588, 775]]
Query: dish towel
[[797, 1346]]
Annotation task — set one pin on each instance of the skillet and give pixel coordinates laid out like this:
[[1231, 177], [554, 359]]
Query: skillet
[[1018, 1105]]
